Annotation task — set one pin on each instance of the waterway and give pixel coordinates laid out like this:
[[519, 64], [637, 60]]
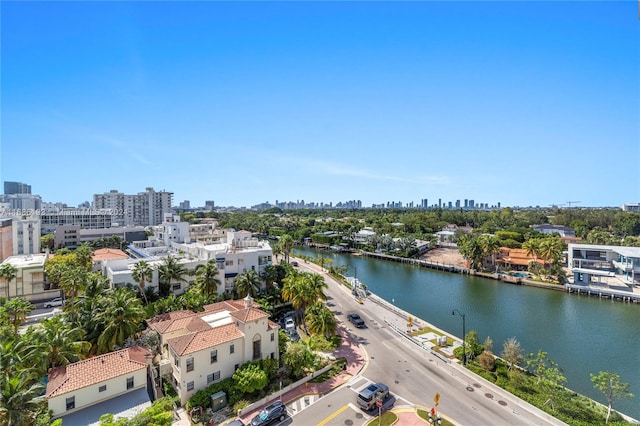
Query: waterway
[[582, 334]]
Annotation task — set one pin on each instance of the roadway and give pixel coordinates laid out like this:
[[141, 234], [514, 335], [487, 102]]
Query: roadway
[[413, 375]]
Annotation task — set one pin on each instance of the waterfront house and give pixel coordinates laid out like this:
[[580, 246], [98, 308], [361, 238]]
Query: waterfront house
[[610, 264]]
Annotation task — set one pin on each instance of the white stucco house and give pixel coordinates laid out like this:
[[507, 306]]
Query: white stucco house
[[202, 348], [80, 385]]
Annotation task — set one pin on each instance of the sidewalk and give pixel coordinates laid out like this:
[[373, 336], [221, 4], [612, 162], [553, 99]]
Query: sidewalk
[[356, 359]]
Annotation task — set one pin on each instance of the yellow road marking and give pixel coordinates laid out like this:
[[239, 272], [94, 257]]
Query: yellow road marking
[[333, 416]]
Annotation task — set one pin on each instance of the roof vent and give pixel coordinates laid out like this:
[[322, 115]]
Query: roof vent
[[248, 301]]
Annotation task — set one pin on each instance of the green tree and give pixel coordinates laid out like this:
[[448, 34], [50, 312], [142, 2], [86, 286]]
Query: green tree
[[47, 241], [611, 387], [58, 344], [250, 378], [170, 270], [84, 255], [19, 398], [8, 273], [17, 310], [246, 283], [286, 243], [321, 320], [121, 318], [207, 277], [299, 358], [548, 373], [142, 273]]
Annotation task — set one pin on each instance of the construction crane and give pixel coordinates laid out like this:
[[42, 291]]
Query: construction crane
[[572, 202]]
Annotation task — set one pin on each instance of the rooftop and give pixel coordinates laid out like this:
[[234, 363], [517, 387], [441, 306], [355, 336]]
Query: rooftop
[[26, 260], [96, 370]]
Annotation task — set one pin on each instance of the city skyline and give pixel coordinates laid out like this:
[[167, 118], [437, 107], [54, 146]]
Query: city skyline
[[523, 104]]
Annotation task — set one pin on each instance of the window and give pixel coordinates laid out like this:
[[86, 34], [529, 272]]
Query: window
[[228, 263], [240, 262], [272, 337], [232, 349], [213, 377], [235, 367], [176, 362], [102, 388], [71, 403], [273, 355], [129, 382], [189, 386], [189, 364], [214, 356], [177, 286]]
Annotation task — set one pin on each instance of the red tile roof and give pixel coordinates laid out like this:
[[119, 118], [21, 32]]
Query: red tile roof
[[108, 254], [250, 314], [96, 370], [194, 342]]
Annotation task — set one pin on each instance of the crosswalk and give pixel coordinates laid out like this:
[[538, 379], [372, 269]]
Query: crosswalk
[[301, 403]]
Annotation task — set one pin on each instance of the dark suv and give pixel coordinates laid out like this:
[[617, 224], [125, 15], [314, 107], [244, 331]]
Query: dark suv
[[270, 414], [356, 320]]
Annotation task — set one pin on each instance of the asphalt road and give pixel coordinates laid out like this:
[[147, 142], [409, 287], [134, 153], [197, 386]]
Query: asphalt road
[[413, 375]]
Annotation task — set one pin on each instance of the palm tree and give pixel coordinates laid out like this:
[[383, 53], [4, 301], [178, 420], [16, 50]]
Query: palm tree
[[321, 320], [59, 344], [73, 280], [121, 318], [316, 284], [286, 243], [550, 249], [17, 309], [490, 247], [142, 273], [207, 277], [170, 270], [20, 398], [8, 273], [247, 282]]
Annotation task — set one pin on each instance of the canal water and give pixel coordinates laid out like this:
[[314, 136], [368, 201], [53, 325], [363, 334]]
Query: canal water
[[582, 334]]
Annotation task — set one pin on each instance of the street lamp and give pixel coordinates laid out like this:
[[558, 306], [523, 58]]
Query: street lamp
[[464, 355]]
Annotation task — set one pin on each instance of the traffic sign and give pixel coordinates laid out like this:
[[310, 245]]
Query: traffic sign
[[379, 403], [436, 398]]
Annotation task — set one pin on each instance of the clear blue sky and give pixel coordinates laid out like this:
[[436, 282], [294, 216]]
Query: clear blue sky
[[241, 103]]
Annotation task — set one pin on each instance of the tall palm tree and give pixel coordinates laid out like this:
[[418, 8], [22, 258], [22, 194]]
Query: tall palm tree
[[247, 282], [73, 280], [316, 286], [490, 247], [551, 249], [170, 270], [207, 277], [286, 243], [18, 309], [321, 320], [142, 273], [121, 318], [59, 344], [8, 273]]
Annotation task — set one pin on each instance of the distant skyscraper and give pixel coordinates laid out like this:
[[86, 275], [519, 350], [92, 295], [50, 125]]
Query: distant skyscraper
[[472, 204], [466, 204], [16, 188], [143, 209], [457, 204], [211, 205], [440, 202]]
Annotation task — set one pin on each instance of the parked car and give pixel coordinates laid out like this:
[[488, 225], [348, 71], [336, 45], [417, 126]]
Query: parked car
[[356, 320], [270, 414], [289, 324], [368, 396], [293, 335], [294, 263], [54, 302]]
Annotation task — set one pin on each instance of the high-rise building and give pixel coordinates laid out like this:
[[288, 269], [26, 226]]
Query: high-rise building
[[143, 209], [16, 188]]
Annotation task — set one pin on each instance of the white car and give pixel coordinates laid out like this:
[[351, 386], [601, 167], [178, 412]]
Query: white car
[[55, 302], [289, 324]]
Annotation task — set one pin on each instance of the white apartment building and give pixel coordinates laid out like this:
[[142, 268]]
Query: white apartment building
[[26, 236], [83, 218], [202, 348], [241, 252], [143, 209], [171, 230], [95, 380]]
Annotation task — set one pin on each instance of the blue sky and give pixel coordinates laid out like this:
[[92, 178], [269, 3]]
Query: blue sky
[[241, 103]]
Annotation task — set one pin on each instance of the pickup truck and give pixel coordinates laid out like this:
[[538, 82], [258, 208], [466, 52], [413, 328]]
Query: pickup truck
[[356, 320]]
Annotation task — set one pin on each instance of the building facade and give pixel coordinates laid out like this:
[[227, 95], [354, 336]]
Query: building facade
[[82, 384], [143, 209], [614, 264], [202, 348], [26, 236], [30, 282]]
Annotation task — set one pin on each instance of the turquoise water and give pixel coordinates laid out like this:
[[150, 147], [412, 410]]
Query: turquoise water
[[582, 334]]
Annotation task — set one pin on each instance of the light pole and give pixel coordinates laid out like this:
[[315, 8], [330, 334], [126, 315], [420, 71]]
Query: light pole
[[464, 354]]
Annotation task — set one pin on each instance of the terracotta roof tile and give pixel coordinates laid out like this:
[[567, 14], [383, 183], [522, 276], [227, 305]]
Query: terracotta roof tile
[[108, 254], [272, 325], [95, 370], [194, 342], [250, 314]]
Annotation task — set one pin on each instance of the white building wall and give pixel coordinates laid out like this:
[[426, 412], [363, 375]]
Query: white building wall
[[91, 395], [26, 236]]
